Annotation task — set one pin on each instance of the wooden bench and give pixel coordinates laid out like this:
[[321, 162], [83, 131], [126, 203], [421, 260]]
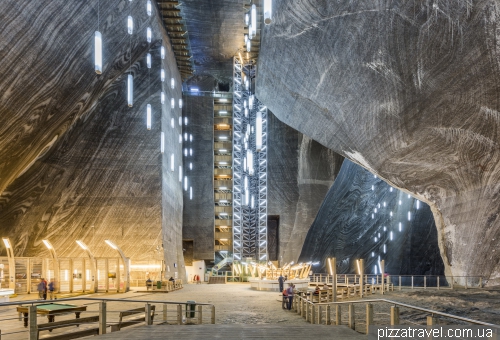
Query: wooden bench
[[130, 322], [68, 323]]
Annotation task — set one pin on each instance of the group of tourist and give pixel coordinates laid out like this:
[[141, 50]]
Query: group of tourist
[[44, 287]]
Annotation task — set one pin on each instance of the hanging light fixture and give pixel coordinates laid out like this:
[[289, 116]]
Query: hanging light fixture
[[162, 75], [148, 60], [185, 121], [162, 52], [190, 193], [148, 34], [246, 38], [247, 19], [185, 183], [254, 19], [180, 138], [172, 83], [250, 32], [130, 25], [249, 45], [180, 120], [180, 173], [172, 103], [162, 142], [172, 159], [180, 103], [98, 44], [172, 123], [268, 11], [148, 7], [190, 166], [185, 136], [190, 151], [190, 137], [148, 116], [130, 90], [162, 97], [98, 52]]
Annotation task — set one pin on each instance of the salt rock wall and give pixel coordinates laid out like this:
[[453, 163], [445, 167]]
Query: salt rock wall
[[408, 90], [362, 217], [300, 172], [198, 214], [75, 161]]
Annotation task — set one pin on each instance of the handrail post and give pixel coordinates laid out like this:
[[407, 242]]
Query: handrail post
[[431, 320], [438, 282], [452, 282], [466, 277], [328, 315], [147, 316], [369, 317], [394, 315], [412, 282], [362, 269], [313, 314], [102, 317], [165, 307], [307, 311], [338, 315], [480, 282], [212, 317], [319, 318], [352, 322], [200, 314], [33, 330], [400, 282], [425, 282], [179, 314]]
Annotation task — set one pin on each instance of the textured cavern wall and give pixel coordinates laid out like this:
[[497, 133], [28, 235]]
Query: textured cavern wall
[[300, 172], [358, 217], [198, 216], [408, 90], [102, 176], [216, 30]]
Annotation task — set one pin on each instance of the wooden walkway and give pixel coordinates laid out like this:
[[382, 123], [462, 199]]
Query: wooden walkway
[[236, 331]]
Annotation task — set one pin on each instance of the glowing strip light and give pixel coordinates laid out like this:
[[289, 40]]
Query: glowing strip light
[[172, 165], [185, 183], [148, 116], [268, 11], [172, 123], [130, 25], [148, 7], [98, 52], [162, 52], [148, 34], [148, 60], [180, 173], [162, 97], [130, 90], [180, 105], [254, 19], [162, 142], [47, 244], [172, 83], [6, 242], [162, 75], [172, 103]]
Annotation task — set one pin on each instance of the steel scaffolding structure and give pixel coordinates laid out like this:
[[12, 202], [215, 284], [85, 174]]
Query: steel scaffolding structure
[[249, 167]]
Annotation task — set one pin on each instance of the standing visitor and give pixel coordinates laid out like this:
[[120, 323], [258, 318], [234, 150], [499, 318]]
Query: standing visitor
[[281, 280], [45, 287], [52, 287], [40, 289], [289, 293]]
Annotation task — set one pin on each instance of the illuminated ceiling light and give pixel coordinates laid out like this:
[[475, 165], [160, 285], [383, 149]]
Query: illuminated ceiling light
[[130, 90], [185, 183], [6, 242], [246, 112], [409, 196], [249, 46], [250, 32], [247, 197], [373, 254], [185, 152], [185, 119], [409, 216], [172, 159], [385, 248], [162, 142], [223, 100], [250, 101], [254, 19], [111, 244], [390, 189], [172, 83], [180, 121], [268, 11], [190, 193], [418, 204], [223, 112], [247, 19], [148, 34], [378, 205], [222, 201], [223, 163], [148, 60], [82, 245], [185, 136], [148, 7], [390, 213], [190, 152], [375, 239], [252, 202], [373, 216], [384, 204], [390, 236], [148, 116], [400, 226], [162, 97], [130, 25], [246, 38], [222, 150], [190, 166], [172, 123], [47, 244], [180, 173], [223, 188], [190, 137], [250, 162], [399, 202], [162, 52], [180, 138], [162, 75], [98, 52], [172, 103], [373, 187], [223, 137], [180, 104], [258, 131]]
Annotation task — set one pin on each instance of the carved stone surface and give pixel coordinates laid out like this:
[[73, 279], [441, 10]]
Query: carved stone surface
[[300, 172], [198, 215], [103, 168], [360, 215], [408, 90]]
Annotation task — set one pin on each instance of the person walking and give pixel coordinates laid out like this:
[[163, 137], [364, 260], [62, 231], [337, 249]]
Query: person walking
[[52, 286], [41, 289], [45, 287], [289, 292], [281, 280]]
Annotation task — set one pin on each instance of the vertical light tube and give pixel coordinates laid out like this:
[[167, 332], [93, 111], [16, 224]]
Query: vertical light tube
[[190, 137], [247, 19], [162, 142], [148, 60], [185, 136], [162, 75], [172, 83], [172, 104], [254, 20], [172, 164], [190, 151], [162, 52], [246, 38], [190, 193], [130, 90], [180, 138], [185, 183], [98, 52], [148, 7], [190, 166], [180, 173], [130, 25], [185, 152], [148, 116], [185, 121], [250, 102], [172, 123], [258, 131], [252, 204], [249, 46], [180, 104], [268, 11], [247, 197], [162, 97], [148, 34]]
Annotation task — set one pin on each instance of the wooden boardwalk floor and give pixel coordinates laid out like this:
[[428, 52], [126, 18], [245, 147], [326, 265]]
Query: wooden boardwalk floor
[[236, 331]]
